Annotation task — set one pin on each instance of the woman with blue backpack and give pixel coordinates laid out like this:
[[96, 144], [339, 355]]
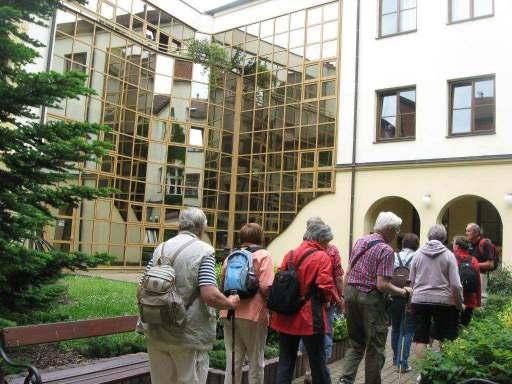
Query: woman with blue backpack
[[247, 271]]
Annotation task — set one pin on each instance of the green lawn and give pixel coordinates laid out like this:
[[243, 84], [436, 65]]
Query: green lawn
[[92, 297]]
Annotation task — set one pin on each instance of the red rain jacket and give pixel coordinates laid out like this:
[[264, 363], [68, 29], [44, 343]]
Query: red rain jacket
[[471, 300], [312, 317]]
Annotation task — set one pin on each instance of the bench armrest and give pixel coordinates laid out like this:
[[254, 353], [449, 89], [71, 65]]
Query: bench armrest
[[33, 376]]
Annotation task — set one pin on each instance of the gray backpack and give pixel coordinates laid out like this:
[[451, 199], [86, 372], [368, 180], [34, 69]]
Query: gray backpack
[[159, 302]]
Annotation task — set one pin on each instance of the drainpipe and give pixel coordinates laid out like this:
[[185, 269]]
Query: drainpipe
[[354, 135], [51, 43]]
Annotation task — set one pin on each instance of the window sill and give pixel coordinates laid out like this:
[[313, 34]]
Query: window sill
[[399, 139], [396, 34], [456, 135], [471, 19]]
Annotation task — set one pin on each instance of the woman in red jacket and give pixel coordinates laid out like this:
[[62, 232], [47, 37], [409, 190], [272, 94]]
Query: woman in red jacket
[[471, 300], [310, 322]]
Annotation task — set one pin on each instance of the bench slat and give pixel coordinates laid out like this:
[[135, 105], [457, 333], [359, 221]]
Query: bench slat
[[104, 371], [49, 333]]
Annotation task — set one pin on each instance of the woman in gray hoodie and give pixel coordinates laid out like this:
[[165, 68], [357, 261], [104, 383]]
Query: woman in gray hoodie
[[436, 291]]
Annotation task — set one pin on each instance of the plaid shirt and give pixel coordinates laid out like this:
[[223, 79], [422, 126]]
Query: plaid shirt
[[337, 270], [378, 261]]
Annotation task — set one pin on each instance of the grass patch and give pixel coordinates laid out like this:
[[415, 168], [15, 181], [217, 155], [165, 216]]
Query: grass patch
[[93, 297]]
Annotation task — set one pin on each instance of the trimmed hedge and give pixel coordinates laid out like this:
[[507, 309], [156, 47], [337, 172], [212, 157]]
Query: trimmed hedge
[[483, 349]]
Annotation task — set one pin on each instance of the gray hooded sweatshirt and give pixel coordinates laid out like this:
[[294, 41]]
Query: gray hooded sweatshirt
[[435, 276]]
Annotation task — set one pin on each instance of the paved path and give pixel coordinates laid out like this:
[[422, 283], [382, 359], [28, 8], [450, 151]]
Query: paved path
[[389, 373], [129, 276]]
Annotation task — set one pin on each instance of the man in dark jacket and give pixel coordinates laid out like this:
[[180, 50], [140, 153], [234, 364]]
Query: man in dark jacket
[[482, 249]]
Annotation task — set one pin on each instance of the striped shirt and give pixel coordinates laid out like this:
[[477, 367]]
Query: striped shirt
[[206, 274], [377, 261]]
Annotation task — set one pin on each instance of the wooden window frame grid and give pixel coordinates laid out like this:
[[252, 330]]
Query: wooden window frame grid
[[470, 81], [387, 92]]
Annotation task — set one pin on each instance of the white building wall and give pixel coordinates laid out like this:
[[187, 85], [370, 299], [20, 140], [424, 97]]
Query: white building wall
[[187, 14], [428, 58]]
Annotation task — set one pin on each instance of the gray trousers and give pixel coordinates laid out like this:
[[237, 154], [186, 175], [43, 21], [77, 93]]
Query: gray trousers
[[367, 322]]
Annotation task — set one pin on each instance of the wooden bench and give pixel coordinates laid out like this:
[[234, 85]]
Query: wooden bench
[[104, 371]]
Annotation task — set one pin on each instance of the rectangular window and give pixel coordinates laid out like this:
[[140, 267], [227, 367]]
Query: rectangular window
[[397, 16], [191, 185], [462, 10], [396, 117], [472, 106], [78, 63]]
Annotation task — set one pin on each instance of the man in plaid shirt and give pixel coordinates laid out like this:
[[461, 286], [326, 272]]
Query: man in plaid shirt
[[368, 278]]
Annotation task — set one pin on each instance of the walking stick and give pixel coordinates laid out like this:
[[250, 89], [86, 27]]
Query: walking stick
[[403, 325], [231, 316]]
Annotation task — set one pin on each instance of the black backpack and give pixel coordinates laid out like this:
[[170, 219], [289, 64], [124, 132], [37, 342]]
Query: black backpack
[[400, 277], [284, 296], [468, 275]]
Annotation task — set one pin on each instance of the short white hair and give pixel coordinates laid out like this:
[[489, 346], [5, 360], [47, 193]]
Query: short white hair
[[193, 220], [312, 222], [387, 220], [437, 232], [319, 232]]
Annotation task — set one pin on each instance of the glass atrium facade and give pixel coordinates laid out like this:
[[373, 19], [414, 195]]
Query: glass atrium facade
[[255, 145]]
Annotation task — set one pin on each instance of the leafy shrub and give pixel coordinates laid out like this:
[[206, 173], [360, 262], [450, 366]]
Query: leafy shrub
[[506, 316], [483, 350], [340, 329], [500, 281]]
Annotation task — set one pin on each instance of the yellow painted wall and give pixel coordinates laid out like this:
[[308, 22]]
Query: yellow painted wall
[[334, 209], [443, 183]]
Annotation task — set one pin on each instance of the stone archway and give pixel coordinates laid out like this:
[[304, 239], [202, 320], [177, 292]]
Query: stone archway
[[398, 205], [458, 212]]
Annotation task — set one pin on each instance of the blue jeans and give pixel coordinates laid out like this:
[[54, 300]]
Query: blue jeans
[[402, 332], [328, 339]]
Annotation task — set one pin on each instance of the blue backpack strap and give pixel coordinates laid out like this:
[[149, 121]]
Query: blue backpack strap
[[246, 253]]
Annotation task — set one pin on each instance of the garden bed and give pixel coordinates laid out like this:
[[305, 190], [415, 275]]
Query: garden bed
[[484, 348], [92, 297]]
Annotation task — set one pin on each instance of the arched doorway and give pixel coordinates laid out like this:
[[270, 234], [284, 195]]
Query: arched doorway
[[399, 206], [462, 210]]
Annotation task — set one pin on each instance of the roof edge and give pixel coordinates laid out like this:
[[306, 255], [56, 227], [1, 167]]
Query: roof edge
[[225, 7]]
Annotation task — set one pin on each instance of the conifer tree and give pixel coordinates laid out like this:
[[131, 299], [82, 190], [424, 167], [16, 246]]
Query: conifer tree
[[39, 163]]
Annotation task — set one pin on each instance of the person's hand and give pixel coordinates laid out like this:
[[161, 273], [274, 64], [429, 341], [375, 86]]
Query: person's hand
[[340, 306], [408, 292], [233, 300]]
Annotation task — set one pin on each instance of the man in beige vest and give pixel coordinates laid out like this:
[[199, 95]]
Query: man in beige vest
[[180, 355]]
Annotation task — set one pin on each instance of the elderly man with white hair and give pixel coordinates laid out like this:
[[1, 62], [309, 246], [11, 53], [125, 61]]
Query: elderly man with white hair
[[368, 278], [180, 355]]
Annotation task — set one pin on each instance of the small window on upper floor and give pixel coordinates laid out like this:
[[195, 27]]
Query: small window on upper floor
[[397, 16], [472, 106], [396, 115], [463, 10]]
